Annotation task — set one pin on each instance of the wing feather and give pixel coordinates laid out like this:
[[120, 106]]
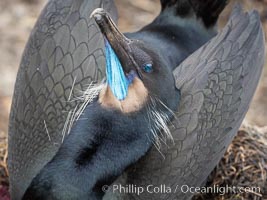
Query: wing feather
[[63, 56], [217, 83]]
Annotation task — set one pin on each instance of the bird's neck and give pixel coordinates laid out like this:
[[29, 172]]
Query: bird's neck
[[99, 148]]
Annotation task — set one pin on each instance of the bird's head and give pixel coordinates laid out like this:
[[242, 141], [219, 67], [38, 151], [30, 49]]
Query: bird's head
[[135, 70]]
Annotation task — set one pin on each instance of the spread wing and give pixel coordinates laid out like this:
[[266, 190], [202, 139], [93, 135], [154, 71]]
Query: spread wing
[[63, 56], [217, 83]]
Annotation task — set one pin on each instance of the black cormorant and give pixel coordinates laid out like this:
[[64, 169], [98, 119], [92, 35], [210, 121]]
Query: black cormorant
[[155, 80]]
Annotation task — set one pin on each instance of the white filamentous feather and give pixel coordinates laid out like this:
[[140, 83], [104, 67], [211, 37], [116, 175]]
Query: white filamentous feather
[[158, 123], [72, 118], [86, 98], [46, 130], [65, 127]]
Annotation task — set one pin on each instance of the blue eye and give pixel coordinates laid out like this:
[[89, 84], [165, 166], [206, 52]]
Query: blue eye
[[148, 68]]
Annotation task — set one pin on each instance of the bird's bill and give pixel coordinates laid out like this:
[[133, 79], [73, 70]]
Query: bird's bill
[[119, 43]]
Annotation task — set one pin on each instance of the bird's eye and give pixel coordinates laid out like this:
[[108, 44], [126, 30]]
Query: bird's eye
[[148, 68]]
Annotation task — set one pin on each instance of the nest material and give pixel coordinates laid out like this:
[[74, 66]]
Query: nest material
[[3, 165], [243, 165]]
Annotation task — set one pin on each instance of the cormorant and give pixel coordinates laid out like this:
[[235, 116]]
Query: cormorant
[[150, 80]]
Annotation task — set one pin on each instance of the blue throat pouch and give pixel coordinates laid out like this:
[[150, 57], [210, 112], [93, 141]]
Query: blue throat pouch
[[116, 78]]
